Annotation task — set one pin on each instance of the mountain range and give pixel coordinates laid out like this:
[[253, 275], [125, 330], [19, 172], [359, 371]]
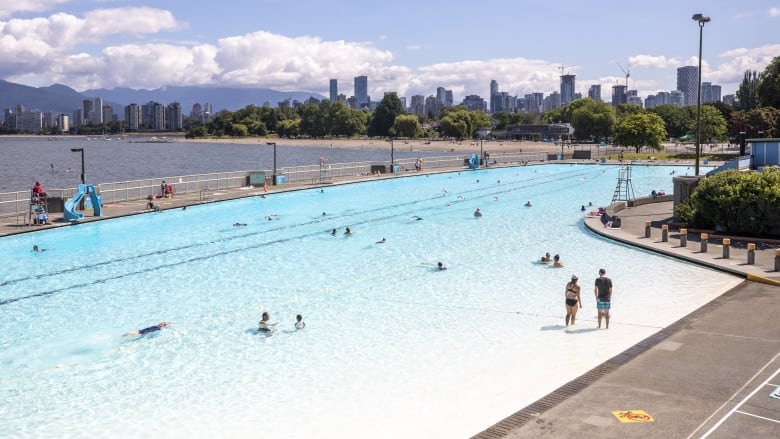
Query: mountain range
[[59, 98]]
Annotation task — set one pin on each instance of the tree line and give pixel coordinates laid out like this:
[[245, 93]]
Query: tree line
[[756, 114]]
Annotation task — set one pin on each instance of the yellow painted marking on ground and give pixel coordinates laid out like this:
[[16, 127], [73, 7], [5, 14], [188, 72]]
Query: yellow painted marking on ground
[[631, 416]]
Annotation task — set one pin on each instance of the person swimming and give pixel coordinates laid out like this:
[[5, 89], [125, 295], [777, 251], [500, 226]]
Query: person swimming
[[299, 324], [334, 232], [382, 241], [417, 218], [528, 203], [348, 231], [239, 224], [477, 213], [546, 258], [440, 266], [150, 329], [38, 249], [265, 325]]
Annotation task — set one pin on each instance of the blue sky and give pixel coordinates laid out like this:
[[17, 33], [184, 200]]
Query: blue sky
[[410, 47]]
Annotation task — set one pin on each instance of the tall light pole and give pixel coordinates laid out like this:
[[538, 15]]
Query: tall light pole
[[392, 156], [701, 20], [273, 179], [81, 150]]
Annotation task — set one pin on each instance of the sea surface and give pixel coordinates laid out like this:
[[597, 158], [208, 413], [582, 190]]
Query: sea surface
[[25, 160]]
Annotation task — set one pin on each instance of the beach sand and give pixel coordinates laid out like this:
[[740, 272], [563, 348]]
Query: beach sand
[[464, 146]]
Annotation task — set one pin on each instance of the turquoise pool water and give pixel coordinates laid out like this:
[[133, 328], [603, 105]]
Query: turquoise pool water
[[392, 347]]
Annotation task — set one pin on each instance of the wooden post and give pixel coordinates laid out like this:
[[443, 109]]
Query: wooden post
[[683, 237], [665, 233], [726, 249], [704, 238], [647, 228], [751, 253]]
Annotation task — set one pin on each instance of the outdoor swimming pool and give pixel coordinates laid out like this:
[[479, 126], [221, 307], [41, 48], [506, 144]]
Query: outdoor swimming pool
[[392, 347]]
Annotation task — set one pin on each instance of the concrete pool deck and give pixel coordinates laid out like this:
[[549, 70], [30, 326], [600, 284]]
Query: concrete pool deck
[[713, 369]]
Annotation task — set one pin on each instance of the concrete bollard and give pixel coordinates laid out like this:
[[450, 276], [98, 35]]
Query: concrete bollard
[[777, 259], [751, 253], [704, 238], [647, 228], [683, 237], [665, 233], [726, 248]]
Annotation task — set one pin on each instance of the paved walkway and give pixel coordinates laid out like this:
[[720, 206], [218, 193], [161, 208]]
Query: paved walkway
[[708, 375]]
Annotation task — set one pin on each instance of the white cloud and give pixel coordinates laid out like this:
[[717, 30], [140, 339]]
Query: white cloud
[[774, 12], [659, 62], [739, 60], [9, 7]]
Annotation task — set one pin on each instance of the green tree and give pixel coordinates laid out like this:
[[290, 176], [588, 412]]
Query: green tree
[[677, 120], [459, 122], [383, 119], [407, 125], [312, 121], [592, 120], [747, 93], [713, 125], [641, 129], [624, 110], [753, 122], [769, 85], [289, 128]]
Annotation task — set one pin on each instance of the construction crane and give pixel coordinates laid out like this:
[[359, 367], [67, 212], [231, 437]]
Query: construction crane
[[562, 67], [626, 72]]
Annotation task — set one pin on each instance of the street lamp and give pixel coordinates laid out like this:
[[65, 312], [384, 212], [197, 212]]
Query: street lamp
[[392, 156], [81, 150], [273, 179], [701, 20], [481, 154]]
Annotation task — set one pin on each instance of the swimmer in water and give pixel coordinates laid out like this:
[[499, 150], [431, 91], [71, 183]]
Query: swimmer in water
[[348, 231], [528, 204], [477, 213], [382, 241], [417, 218], [265, 325], [299, 324], [334, 232], [150, 329], [440, 266], [239, 224], [38, 249]]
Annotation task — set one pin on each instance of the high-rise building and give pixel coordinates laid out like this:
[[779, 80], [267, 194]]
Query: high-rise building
[[619, 94], [567, 89], [63, 123], [474, 103], [97, 117], [108, 114], [632, 97], [677, 98], [493, 94], [688, 83], [594, 92], [133, 117], [729, 99], [716, 90], [361, 92], [174, 118], [88, 111], [706, 92], [418, 105], [334, 90], [78, 117], [552, 101]]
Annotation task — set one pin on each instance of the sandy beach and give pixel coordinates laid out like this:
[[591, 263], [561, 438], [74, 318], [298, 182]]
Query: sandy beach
[[464, 146]]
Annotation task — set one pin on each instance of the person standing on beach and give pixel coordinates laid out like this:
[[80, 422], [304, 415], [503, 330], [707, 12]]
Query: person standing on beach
[[573, 300], [603, 293]]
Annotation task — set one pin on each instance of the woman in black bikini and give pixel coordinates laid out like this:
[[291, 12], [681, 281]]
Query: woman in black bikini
[[572, 299]]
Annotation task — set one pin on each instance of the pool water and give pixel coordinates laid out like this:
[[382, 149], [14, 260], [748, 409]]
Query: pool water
[[392, 347]]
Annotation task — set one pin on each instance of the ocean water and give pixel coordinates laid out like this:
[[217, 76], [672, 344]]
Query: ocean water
[[29, 159], [392, 347]]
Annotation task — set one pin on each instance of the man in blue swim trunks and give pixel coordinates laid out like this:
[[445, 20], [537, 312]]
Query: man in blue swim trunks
[[603, 292], [150, 329]]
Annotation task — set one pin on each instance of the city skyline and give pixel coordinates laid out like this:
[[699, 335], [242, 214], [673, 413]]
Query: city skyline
[[100, 44]]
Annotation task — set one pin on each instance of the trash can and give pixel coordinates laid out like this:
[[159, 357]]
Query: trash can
[[280, 179]]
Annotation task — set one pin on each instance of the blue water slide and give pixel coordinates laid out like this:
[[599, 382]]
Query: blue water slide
[[73, 202], [474, 161]]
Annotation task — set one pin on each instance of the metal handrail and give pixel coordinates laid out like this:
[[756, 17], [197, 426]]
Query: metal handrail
[[18, 203]]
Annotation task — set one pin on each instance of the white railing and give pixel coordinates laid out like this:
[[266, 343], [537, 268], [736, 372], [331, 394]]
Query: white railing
[[18, 203]]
